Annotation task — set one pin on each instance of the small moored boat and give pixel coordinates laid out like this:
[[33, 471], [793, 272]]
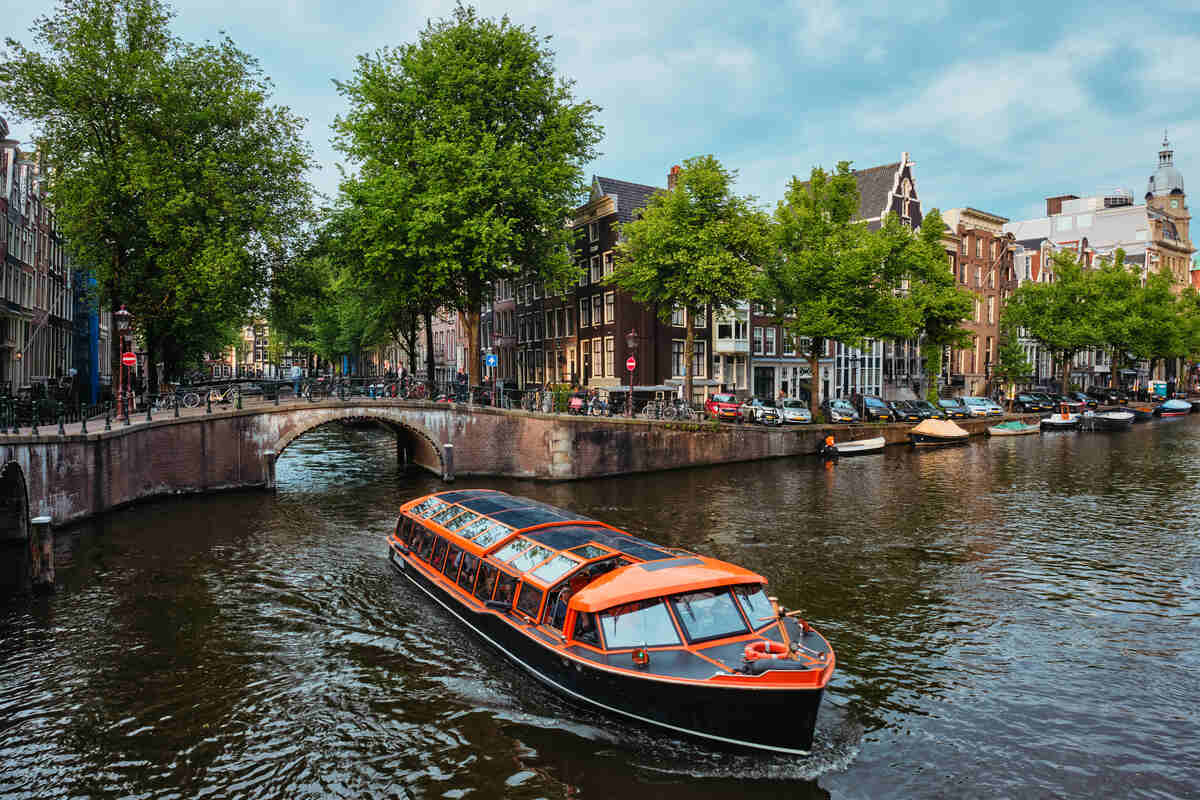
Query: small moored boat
[[656, 634], [860, 447], [1140, 413], [1060, 422], [1107, 421], [1013, 428], [1172, 408], [936, 432]]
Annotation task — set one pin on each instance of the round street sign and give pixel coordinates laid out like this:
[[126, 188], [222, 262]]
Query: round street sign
[[490, 360], [631, 363], [129, 359]]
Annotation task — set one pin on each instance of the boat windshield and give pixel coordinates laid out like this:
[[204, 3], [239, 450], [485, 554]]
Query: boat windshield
[[708, 614], [644, 622], [755, 603]]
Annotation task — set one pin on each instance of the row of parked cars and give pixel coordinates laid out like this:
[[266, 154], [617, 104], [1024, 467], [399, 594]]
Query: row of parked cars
[[869, 409], [1074, 402]]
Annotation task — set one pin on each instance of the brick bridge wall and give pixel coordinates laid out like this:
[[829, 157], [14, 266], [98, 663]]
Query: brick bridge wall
[[69, 478]]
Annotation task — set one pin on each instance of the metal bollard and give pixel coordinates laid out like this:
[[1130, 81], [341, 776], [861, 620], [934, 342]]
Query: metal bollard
[[208, 400], [175, 405], [42, 551], [36, 413], [3, 416], [107, 416], [237, 397], [149, 406], [276, 392], [62, 431], [83, 418], [448, 463]]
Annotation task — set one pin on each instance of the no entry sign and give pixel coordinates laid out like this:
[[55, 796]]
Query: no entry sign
[[129, 359], [631, 363]]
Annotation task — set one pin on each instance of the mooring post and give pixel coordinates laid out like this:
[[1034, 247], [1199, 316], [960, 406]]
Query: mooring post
[[448, 462], [41, 551], [269, 468], [107, 416], [62, 431], [83, 409]]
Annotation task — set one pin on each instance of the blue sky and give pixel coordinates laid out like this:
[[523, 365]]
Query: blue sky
[[999, 106]]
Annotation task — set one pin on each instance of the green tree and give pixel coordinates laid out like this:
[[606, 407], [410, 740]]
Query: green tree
[[1116, 303], [1011, 364], [1159, 327], [171, 175], [833, 278], [1058, 314], [695, 247], [471, 150]]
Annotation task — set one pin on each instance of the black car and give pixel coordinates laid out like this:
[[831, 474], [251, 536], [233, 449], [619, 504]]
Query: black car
[[954, 408], [928, 410], [1086, 399], [1030, 404], [905, 411], [873, 409], [1107, 396]]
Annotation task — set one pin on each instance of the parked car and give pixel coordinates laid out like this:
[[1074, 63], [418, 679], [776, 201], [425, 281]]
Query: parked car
[[905, 411], [838, 411], [982, 407], [1026, 403], [1073, 406], [761, 410], [796, 411], [875, 410], [954, 408], [1046, 399], [1082, 397], [928, 410], [724, 406], [1107, 396]]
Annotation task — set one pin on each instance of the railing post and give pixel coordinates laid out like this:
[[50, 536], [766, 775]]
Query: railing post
[[175, 404], [276, 392], [62, 431], [4, 416], [237, 397], [149, 407], [41, 548], [83, 418], [37, 412], [107, 416], [208, 400]]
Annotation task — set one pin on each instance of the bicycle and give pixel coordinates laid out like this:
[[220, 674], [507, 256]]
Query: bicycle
[[216, 395]]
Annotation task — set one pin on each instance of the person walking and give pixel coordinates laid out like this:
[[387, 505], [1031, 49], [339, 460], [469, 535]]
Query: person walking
[[296, 375]]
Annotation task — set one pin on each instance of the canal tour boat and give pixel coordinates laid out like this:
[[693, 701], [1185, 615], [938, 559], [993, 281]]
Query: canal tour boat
[[656, 634]]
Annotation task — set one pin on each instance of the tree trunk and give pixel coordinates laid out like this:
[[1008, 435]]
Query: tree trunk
[[151, 363], [410, 340], [933, 368], [470, 323], [1066, 372], [429, 370], [1112, 368], [814, 378], [689, 342]]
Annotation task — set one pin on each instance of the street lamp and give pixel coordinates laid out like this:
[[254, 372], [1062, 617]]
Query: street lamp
[[122, 317], [631, 343]]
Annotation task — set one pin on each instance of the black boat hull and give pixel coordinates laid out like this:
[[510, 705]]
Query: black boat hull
[[780, 720], [925, 440]]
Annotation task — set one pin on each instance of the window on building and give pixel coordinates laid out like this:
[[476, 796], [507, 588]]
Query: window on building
[[740, 329], [769, 348], [677, 358], [789, 344], [609, 355], [610, 307], [583, 273], [699, 358], [978, 277], [593, 231], [992, 310], [758, 341], [608, 263], [597, 356], [725, 329], [597, 310], [550, 334], [561, 326], [702, 317], [585, 315], [978, 247], [597, 276], [678, 317], [977, 306], [569, 329]]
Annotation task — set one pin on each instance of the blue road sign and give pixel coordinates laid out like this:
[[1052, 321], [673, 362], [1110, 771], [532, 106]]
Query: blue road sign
[[491, 360]]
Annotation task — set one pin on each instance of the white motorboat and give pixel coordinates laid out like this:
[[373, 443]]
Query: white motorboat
[[1060, 422], [860, 447]]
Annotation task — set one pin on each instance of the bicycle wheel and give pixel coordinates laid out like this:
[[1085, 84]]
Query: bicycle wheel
[[190, 400], [669, 412]]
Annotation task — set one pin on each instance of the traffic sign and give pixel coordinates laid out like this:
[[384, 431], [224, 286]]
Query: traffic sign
[[129, 359], [631, 363], [491, 360]]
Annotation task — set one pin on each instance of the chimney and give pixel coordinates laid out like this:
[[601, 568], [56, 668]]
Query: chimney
[[672, 177], [1054, 204]]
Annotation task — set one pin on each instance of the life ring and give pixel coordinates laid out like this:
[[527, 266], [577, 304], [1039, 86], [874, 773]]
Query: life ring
[[765, 649]]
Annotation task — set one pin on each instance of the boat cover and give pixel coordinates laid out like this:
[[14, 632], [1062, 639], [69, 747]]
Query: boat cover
[[1013, 425], [1176, 405], [941, 428]]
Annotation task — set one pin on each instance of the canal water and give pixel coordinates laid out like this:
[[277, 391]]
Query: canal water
[[1014, 618]]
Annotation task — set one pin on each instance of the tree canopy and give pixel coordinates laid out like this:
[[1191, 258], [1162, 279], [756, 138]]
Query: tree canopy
[[173, 178], [697, 246], [469, 154]]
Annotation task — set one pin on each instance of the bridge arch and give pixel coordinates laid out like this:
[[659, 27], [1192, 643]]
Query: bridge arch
[[414, 444], [15, 541]]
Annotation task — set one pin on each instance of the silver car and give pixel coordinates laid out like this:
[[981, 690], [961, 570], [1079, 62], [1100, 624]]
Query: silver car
[[796, 411]]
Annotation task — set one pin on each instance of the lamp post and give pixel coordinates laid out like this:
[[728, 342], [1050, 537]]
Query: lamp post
[[631, 343], [122, 317]]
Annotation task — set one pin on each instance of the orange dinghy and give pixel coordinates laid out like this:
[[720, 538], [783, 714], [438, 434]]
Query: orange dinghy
[[656, 634]]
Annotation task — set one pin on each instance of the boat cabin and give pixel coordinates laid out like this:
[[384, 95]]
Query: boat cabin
[[578, 580]]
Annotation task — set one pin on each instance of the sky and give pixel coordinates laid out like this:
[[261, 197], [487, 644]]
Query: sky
[[998, 106]]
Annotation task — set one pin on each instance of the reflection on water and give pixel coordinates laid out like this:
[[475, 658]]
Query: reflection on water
[[1013, 618]]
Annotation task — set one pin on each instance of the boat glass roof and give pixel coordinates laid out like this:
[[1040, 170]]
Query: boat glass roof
[[512, 549], [531, 558], [555, 568], [492, 535], [565, 537], [475, 528]]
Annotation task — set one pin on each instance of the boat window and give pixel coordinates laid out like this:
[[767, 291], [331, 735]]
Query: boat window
[[446, 514], [531, 558], [513, 549], [462, 519], [708, 614], [487, 580], [530, 600], [555, 568], [585, 629], [427, 540], [467, 576], [453, 562], [755, 603], [493, 535], [588, 551], [556, 606], [475, 528], [644, 622], [439, 553], [430, 507], [506, 587]]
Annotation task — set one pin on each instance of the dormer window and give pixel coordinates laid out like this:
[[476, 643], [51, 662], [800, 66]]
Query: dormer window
[[593, 231]]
